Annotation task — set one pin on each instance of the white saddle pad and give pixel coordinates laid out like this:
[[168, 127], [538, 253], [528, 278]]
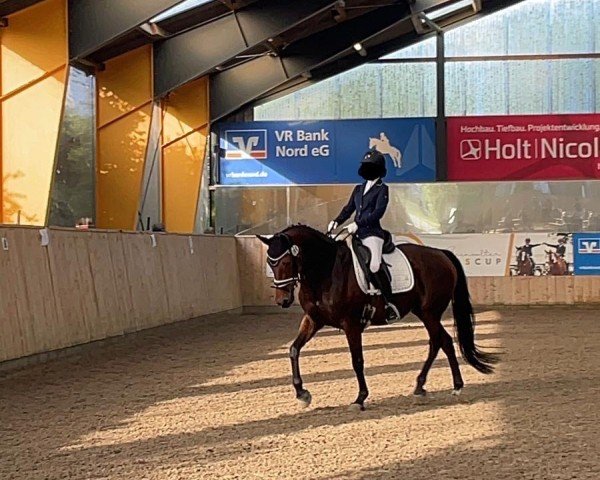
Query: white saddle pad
[[403, 279]]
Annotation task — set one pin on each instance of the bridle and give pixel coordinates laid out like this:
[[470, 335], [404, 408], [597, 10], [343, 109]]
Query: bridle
[[294, 251]]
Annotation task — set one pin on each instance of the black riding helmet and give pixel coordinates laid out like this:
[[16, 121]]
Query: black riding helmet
[[372, 165]]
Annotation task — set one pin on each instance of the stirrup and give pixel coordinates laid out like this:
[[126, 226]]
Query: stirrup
[[392, 314], [367, 314]]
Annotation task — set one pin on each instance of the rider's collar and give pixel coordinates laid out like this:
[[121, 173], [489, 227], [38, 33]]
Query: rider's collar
[[369, 184]]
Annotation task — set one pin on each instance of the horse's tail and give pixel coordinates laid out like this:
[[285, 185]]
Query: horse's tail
[[464, 321]]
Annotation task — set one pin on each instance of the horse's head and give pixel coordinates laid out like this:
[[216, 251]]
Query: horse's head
[[282, 257], [372, 142], [299, 252]]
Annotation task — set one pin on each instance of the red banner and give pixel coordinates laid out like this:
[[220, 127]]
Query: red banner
[[536, 147]]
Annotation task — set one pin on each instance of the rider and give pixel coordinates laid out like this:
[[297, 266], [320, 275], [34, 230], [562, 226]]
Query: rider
[[561, 248], [369, 200], [528, 249]]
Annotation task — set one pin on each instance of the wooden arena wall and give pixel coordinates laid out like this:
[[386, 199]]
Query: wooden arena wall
[[87, 286], [485, 291]]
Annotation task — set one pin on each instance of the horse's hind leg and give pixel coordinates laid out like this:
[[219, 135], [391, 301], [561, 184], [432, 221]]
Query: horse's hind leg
[[448, 348], [307, 330], [354, 337], [434, 348], [438, 338]]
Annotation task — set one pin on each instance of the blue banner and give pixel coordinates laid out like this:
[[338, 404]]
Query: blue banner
[[587, 253], [323, 152]]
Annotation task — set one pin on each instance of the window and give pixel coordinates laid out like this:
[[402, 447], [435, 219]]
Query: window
[[523, 87], [531, 27], [370, 91], [73, 189]]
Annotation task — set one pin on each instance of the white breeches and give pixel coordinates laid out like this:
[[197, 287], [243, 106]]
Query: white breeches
[[375, 245]]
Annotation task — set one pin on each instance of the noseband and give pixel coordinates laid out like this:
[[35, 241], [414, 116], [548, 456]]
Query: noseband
[[293, 250]]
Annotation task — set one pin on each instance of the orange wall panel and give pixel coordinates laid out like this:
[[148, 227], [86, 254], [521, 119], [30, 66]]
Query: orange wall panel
[[185, 130], [120, 157], [125, 84], [33, 61], [29, 137], [124, 114], [183, 162], [34, 43], [185, 110]]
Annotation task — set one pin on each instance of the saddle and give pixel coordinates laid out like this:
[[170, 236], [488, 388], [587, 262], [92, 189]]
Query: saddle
[[364, 254], [395, 264]]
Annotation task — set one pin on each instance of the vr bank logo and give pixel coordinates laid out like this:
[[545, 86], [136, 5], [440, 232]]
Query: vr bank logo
[[588, 246], [243, 144], [470, 149]]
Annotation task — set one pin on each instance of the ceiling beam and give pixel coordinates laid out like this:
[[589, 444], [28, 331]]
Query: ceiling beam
[[94, 24], [383, 44], [192, 54], [388, 42], [238, 86]]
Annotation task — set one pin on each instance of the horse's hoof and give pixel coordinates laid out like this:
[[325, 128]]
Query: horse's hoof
[[357, 407], [456, 392], [305, 399], [420, 392]]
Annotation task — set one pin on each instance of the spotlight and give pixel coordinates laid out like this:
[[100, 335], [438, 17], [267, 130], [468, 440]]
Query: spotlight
[[360, 49]]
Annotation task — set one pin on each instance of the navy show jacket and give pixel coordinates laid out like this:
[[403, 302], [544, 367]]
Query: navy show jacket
[[369, 209]]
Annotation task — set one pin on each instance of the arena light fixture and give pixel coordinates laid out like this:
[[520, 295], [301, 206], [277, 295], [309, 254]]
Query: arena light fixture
[[153, 30], [177, 9], [360, 49], [445, 13], [452, 9]]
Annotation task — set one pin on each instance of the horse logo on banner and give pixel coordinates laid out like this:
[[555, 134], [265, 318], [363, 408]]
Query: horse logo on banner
[[382, 145]]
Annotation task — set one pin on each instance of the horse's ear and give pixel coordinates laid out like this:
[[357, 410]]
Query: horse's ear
[[265, 240]]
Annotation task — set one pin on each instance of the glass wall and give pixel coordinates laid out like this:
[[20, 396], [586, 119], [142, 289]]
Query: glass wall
[[486, 85], [423, 49], [478, 207], [486, 74], [523, 87], [531, 27], [369, 91], [73, 190]]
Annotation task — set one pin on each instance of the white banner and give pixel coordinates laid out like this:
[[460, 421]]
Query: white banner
[[494, 254], [482, 255]]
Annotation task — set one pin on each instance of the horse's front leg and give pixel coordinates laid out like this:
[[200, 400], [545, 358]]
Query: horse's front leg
[[354, 337], [307, 330]]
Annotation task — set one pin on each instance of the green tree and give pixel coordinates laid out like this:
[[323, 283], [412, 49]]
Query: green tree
[[73, 189]]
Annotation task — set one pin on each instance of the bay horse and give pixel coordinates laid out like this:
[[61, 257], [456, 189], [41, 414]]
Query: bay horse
[[556, 264], [524, 263], [330, 295]]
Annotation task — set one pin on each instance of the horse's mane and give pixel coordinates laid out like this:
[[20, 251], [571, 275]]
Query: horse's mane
[[319, 260], [321, 235]]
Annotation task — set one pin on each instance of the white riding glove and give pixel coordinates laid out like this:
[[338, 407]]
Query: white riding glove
[[352, 228], [332, 226]]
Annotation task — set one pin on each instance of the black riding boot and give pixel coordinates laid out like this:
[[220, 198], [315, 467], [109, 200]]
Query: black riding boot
[[381, 282]]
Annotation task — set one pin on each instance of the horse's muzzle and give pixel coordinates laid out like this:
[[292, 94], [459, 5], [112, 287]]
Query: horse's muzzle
[[286, 302]]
